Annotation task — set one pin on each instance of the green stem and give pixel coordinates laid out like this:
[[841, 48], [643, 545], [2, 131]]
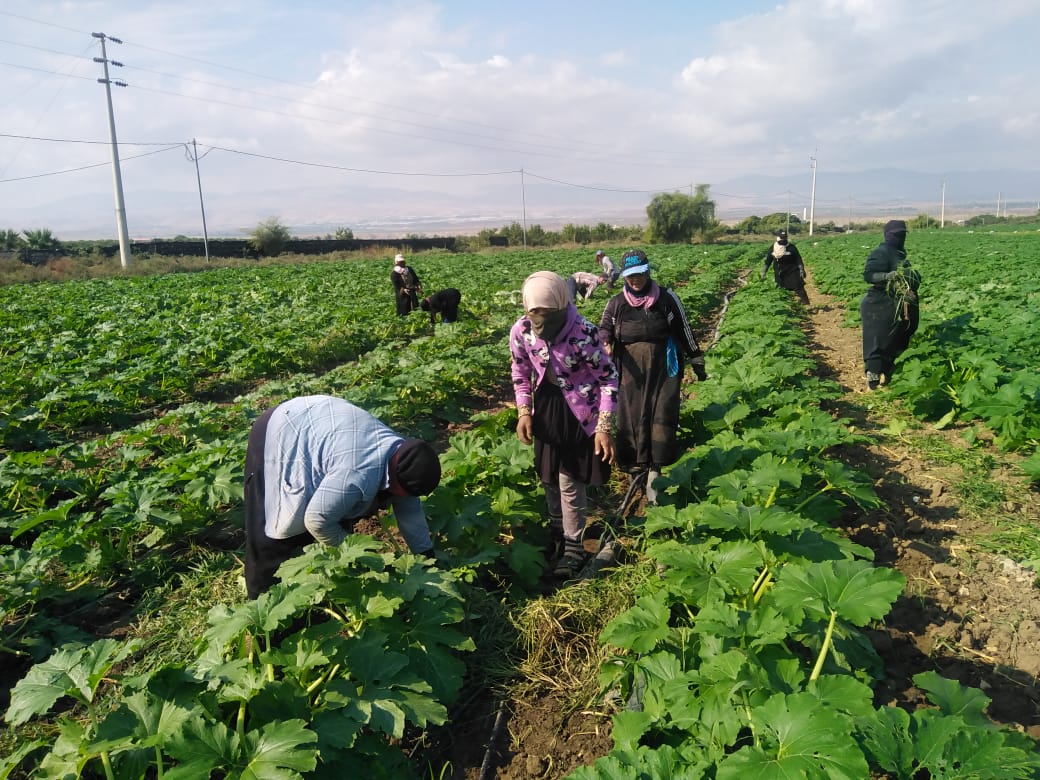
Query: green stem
[[270, 667], [761, 589], [823, 650], [819, 492], [107, 763], [327, 675], [748, 714], [158, 762], [240, 721]]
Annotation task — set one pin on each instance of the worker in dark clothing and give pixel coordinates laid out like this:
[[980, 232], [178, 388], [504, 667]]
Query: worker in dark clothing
[[788, 269], [647, 333], [407, 287], [891, 309], [445, 302]]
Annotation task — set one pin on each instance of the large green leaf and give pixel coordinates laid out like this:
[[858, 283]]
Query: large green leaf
[[278, 751], [798, 739], [640, 627], [857, 591], [952, 698], [72, 672]]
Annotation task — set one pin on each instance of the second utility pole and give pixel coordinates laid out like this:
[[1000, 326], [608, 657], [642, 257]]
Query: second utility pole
[[812, 196], [124, 237]]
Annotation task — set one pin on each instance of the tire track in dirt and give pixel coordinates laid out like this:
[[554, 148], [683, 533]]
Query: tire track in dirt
[[967, 614]]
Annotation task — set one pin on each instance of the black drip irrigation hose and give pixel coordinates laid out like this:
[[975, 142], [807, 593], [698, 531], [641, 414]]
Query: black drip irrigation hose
[[486, 765], [717, 335]]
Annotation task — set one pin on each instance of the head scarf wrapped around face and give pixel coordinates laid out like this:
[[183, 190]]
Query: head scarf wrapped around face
[[895, 233], [546, 291]]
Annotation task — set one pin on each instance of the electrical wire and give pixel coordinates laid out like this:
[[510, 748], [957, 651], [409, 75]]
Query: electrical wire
[[92, 165]]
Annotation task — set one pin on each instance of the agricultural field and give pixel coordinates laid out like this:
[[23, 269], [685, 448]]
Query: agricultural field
[[772, 617]]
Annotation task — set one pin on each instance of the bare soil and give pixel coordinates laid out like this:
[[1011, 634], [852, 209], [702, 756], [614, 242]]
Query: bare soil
[[967, 614]]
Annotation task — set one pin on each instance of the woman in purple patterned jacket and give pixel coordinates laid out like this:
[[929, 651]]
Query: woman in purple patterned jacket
[[566, 392]]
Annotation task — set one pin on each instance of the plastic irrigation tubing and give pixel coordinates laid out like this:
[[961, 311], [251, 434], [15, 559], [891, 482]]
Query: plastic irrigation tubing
[[500, 720], [716, 337]]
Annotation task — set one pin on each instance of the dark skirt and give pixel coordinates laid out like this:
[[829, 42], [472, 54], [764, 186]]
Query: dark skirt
[[648, 406], [263, 555], [887, 329], [560, 443]]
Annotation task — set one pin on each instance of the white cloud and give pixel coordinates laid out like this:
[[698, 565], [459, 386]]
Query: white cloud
[[420, 87]]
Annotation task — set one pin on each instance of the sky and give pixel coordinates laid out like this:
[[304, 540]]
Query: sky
[[433, 118]]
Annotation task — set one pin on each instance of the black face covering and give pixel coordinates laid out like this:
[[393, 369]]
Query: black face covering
[[895, 233], [547, 325]]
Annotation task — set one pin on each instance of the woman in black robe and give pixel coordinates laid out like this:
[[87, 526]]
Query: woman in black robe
[[891, 309], [646, 330]]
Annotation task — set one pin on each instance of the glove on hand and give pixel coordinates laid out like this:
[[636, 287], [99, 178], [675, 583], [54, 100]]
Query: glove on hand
[[891, 275], [702, 375]]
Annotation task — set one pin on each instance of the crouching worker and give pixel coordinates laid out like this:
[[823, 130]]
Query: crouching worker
[[315, 465], [445, 302]]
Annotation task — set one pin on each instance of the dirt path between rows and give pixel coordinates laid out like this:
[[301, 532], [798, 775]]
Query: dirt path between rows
[[967, 614]]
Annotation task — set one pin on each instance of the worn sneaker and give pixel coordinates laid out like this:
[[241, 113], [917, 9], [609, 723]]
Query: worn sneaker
[[873, 380], [572, 561]]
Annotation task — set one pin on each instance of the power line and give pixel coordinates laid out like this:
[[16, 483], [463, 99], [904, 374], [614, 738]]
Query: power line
[[357, 170], [82, 141], [92, 165], [604, 189], [40, 21]]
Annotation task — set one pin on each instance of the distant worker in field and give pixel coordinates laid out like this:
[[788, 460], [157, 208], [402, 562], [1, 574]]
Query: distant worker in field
[[315, 465], [585, 284], [407, 287], [610, 269], [444, 302], [647, 332], [566, 388], [788, 268], [891, 309]]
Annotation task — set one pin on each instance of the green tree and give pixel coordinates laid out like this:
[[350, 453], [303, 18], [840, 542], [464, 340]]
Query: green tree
[[10, 239], [578, 234], [922, 221], [270, 237], [344, 234], [41, 239], [675, 217]]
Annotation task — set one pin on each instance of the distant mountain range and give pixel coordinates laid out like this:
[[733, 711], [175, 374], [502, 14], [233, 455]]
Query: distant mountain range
[[859, 195], [881, 192]]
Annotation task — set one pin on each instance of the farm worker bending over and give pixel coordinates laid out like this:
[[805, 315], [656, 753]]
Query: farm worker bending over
[[585, 284], [316, 464], [407, 287], [566, 391], [646, 331], [446, 303], [610, 269], [890, 310], [788, 268]]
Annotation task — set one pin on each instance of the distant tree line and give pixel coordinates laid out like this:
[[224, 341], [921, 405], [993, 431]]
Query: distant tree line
[[672, 217]]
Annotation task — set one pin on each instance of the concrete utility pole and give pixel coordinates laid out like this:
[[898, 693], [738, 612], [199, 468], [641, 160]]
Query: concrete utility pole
[[202, 205], [942, 213], [117, 178], [523, 198], [812, 196]]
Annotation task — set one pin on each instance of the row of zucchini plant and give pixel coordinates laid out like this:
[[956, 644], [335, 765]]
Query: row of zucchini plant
[[976, 358], [746, 656], [95, 511]]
